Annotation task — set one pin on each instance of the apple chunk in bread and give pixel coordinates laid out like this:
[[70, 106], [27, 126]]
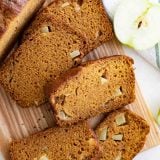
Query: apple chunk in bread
[[137, 23]]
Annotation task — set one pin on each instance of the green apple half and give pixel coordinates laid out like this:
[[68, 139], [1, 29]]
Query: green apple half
[[137, 23]]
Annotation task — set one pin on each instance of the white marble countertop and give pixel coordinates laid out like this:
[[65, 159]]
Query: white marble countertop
[[148, 79]]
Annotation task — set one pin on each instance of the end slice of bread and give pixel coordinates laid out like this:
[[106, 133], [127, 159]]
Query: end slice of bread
[[14, 15], [95, 87], [39, 59], [76, 142], [122, 134]]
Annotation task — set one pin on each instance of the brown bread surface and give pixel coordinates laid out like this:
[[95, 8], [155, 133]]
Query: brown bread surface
[[37, 60], [75, 142], [92, 88], [84, 16], [134, 133]]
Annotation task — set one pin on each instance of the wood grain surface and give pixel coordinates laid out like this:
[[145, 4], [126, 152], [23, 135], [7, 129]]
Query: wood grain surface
[[17, 122]]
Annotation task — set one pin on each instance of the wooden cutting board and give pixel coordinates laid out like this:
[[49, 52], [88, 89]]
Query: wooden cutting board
[[17, 122]]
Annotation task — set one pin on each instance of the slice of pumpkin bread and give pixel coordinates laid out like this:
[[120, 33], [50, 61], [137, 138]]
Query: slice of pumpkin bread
[[76, 142], [122, 134], [84, 16], [95, 87], [38, 59]]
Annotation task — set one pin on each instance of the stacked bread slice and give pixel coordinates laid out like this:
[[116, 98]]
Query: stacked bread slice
[[92, 88], [76, 142], [122, 135], [50, 47], [84, 16], [38, 60]]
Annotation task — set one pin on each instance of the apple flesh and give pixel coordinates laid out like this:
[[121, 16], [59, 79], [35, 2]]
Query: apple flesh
[[137, 23]]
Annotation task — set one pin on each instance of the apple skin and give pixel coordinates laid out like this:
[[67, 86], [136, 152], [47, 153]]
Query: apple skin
[[137, 24]]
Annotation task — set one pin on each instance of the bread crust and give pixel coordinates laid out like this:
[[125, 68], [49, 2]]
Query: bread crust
[[8, 11], [14, 15]]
